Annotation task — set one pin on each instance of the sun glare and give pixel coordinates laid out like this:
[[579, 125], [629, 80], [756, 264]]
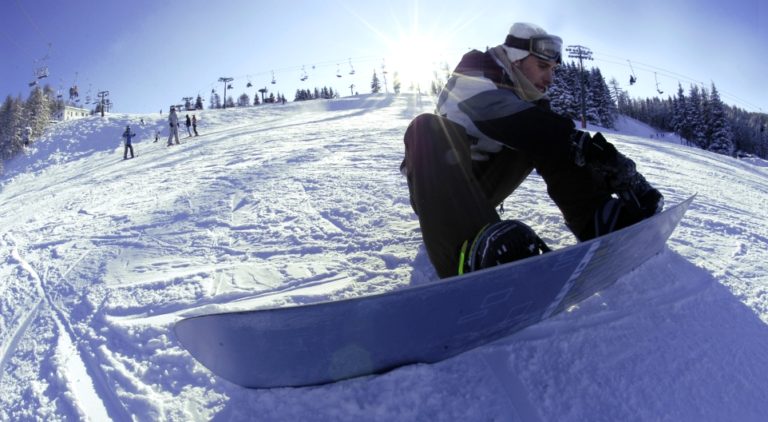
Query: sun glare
[[416, 57]]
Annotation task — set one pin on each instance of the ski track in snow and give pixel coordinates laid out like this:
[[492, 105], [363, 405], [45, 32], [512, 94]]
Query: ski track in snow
[[300, 203]]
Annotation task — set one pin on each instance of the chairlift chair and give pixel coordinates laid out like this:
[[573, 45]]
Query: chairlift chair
[[657, 84], [41, 72], [273, 78], [351, 69], [632, 77]]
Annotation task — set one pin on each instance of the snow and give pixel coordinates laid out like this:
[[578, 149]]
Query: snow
[[292, 204]]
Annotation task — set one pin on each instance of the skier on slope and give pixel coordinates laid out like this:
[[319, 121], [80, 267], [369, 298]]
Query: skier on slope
[[173, 121], [188, 123], [493, 126], [128, 146]]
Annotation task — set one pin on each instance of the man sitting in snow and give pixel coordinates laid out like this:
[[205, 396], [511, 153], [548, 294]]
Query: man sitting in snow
[[492, 128]]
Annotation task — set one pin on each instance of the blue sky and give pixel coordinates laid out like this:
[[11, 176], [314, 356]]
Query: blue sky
[[150, 54]]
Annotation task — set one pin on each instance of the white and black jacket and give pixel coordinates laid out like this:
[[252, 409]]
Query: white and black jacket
[[479, 96]]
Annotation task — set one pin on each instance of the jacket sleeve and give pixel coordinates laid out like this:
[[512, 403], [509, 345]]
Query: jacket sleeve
[[521, 125]]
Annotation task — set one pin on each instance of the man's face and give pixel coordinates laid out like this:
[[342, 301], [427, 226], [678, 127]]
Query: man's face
[[539, 71]]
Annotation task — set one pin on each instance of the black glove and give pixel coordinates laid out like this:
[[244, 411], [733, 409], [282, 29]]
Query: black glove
[[594, 150]]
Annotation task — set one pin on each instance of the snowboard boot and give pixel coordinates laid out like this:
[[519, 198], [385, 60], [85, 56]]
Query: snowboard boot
[[499, 243]]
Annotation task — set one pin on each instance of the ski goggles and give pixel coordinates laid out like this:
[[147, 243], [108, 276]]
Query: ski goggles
[[547, 47]]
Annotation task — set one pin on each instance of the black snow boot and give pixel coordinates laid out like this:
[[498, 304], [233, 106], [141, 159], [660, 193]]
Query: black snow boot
[[499, 243]]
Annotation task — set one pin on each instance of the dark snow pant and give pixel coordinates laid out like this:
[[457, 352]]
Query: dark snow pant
[[454, 197], [128, 147]]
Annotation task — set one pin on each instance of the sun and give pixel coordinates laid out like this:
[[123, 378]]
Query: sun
[[417, 58]]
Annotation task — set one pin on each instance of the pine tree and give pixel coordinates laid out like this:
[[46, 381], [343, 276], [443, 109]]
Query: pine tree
[[721, 136], [199, 103], [215, 100], [680, 114], [375, 85], [396, 83], [566, 95], [38, 111], [12, 122], [243, 100], [695, 118]]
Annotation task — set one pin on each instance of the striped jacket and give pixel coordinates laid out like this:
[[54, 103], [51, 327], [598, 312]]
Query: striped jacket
[[479, 96]]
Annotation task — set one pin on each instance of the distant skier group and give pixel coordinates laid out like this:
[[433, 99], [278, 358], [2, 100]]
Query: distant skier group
[[173, 122]]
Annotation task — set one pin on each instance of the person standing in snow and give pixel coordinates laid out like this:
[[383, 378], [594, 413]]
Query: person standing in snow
[[173, 121], [194, 124], [128, 146], [27, 136], [188, 123], [492, 127]]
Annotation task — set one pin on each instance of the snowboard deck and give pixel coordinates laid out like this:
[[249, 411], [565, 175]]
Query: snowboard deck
[[330, 341]]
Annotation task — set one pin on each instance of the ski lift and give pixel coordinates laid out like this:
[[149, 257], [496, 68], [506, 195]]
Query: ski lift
[[229, 86], [249, 84], [304, 76], [41, 72], [273, 78], [657, 84], [351, 69], [632, 77], [338, 71]]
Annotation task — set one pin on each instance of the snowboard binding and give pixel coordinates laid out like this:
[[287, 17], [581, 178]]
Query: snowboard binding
[[499, 243]]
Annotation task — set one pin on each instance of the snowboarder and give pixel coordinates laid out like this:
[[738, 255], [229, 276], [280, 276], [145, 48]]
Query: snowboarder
[[128, 135], [188, 123], [194, 124], [173, 121], [492, 128]]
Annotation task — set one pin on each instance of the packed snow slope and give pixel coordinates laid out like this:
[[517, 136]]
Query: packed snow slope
[[303, 202]]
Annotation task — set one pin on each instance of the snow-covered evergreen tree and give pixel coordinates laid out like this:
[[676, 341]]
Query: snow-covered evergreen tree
[[375, 84], [12, 123], [199, 103], [694, 123], [215, 100], [243, 100], [565, 91], [720, 135], [38, 111]]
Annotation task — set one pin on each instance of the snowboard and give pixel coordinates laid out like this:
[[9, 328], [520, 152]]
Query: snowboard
[[330, 341]]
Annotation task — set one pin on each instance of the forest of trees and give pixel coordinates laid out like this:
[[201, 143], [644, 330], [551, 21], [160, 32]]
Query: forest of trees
[[703, 120], [23, 120], [317, 93], [700, 118]]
